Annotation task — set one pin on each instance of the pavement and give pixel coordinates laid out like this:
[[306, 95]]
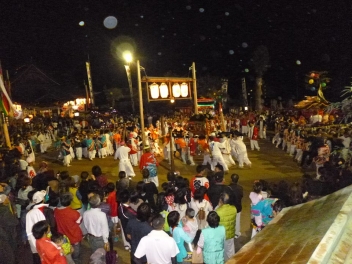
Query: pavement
[[270, 164]]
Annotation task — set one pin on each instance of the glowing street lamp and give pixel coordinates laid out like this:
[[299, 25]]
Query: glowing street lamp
[[127, 56]]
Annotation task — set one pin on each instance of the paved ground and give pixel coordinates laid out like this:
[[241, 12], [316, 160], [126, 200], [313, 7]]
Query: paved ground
[[269, 163]]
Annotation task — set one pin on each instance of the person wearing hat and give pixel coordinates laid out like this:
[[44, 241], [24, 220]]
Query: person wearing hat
[[38, 213], [122, 153], [148, 161]]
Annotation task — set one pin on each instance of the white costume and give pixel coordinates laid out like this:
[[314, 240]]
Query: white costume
[[217, 155], [226, 152], [239, 150], [125, 164]]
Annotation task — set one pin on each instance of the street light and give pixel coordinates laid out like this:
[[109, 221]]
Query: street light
[[127, 55]]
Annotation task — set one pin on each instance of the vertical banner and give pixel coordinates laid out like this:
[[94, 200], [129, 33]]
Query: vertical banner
[[128, 72], [224, 88], [244, 92], [90, 85], [4, 104]]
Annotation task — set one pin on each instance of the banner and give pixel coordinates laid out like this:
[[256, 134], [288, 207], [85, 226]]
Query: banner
[[90, 84], [244, 92], [7, 101], [4, 104]]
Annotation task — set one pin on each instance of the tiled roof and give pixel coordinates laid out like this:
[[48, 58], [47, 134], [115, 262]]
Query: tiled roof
[[315, 232]]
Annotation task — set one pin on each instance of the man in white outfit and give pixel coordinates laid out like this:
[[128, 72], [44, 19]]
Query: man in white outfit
[[226, 151], [239, 150], [215, 150], [125, 164]]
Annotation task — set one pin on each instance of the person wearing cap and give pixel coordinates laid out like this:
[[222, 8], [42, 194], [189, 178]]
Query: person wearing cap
[[149, 162], [122, 153], [36, 214]]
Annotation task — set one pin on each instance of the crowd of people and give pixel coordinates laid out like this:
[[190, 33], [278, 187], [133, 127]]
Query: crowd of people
[[182, 220]]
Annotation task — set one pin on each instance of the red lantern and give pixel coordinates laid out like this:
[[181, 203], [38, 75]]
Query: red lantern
[[312, 75]]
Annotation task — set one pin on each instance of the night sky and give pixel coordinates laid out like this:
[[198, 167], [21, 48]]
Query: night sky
[[168, 35]]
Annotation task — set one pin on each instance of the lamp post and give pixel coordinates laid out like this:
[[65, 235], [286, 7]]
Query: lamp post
[[140, 94], [128, 58]]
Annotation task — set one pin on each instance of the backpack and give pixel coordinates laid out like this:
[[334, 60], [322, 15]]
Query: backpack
[[111, 257], [201, 214]]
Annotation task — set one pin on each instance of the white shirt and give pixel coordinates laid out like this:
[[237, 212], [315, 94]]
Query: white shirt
[[238, 145], [196, 205], [158, 247], [33, 217], [122, 152], [23, 164], [96, 223], [346, 141], [215, 148]]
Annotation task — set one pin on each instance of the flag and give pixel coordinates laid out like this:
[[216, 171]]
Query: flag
[[90, 84], [244, 92], [4, 104]]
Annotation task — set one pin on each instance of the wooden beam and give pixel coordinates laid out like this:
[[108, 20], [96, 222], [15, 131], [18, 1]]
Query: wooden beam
[[166, 79]]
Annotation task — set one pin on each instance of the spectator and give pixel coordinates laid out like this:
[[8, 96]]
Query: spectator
[[198, 202], [68, 221], [139, 227], [99, 177], [236, 195], [96, 224], [212, 240], [49, 253], [157, 246], [227, 214], [216, 189]]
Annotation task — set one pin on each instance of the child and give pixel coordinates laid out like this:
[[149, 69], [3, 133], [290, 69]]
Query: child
[[63, 242], [190, 226], [111, 200], [123, 183]]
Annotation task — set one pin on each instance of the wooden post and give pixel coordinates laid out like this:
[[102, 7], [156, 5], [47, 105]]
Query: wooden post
[[172, 168], [6, 131], [194, 82], [140, 94]]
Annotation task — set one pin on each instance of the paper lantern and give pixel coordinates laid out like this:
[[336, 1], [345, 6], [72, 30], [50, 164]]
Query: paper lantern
[[154, 91], [176, 90], [184, 90], [164, 90], [311, 81], [312, 74], [323, 84]]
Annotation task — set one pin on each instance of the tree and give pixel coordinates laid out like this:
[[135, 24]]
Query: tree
[[261, 61], [113, 95]]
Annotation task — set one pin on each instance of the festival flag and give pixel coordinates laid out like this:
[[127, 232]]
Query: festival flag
[[4, 104], [90, 84], [244, 92]]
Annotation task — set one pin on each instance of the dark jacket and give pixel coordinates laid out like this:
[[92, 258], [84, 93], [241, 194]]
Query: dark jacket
[[215, 191], [236, 195]]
